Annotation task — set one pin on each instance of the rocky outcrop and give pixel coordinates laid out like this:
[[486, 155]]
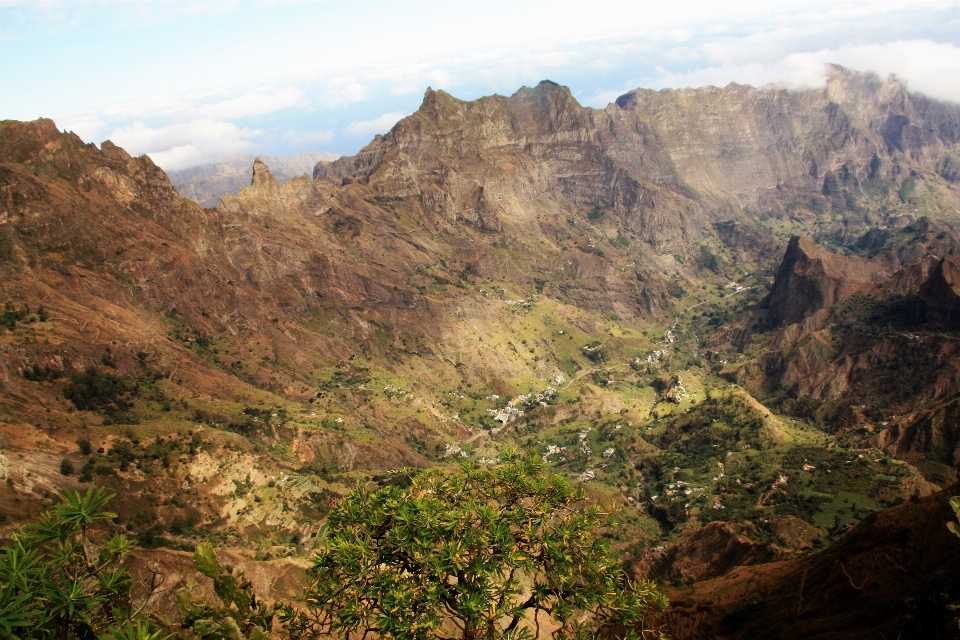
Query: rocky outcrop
[[270, 580], [206, 184], [855, 344], [811, 278], [719, 547], [666, 164], [940, 294], [933, 434], [874, 582], [708, 552]]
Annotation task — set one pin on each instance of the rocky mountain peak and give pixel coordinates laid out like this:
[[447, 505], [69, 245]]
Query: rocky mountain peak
[[434, 101], [207, 184], [665, 164], [546, 89], [626, 100], [27, 142], [262, 176], [64, 158], [812, 277], [941, 292]]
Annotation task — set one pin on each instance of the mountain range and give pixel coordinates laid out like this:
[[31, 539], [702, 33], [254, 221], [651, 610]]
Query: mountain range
[[755, 283]]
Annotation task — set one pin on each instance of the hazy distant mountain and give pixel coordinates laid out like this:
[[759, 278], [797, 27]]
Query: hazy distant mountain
[[208, 183]]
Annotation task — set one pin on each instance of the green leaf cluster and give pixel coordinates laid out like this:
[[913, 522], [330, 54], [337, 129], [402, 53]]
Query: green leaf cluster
[[10, 315], [240, 616], [489, 553], [56, 583], [955, 505]]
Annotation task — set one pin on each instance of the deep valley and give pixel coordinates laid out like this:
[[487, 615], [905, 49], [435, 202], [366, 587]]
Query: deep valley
[[731, 315]]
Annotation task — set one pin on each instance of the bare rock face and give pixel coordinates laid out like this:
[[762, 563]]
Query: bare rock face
[[853, 589], [756, 142], [665, 164], [941, 293], [719, 547], [811, 278], [865, 343], [206, 184], [272, 580], [512, 158]]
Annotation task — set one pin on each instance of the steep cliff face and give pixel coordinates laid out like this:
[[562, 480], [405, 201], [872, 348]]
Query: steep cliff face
[[811, 278], [756, 143], [500, 164], [886, 578], [669, 164], [940, 294], [866, 346]]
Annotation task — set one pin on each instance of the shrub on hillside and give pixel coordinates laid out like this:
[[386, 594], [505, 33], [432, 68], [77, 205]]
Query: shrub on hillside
[[105, 393]]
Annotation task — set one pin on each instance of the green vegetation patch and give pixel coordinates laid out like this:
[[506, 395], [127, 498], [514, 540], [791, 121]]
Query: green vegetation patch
[[105, 393]]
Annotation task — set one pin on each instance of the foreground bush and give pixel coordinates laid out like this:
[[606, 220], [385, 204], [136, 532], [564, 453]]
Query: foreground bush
[[492, 553], [56, 583], [469, 555]]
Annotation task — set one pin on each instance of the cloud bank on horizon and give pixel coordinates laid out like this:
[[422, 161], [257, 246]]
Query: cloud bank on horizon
[[192, 82]]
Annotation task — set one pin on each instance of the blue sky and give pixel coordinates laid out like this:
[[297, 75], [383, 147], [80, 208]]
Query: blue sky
[[194, 82]]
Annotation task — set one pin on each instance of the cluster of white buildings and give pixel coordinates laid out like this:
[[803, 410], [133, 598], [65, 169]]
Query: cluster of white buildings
[[511, 412]]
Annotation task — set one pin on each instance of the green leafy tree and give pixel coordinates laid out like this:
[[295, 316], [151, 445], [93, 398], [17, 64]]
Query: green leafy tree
[[57, 583], [492, 553], [955, 529], [132, 631], [955, 505], [240, 616]]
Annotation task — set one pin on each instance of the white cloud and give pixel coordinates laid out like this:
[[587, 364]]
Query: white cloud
[[440, 77], [251, 103], [382, 124], [306, 138], [922, 63], [929, 67], [179, 146], [124, 13], [89, 126], [405, 88], [602, 99], [220, 104], [204, 132], [344, 90], [675, 35]]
